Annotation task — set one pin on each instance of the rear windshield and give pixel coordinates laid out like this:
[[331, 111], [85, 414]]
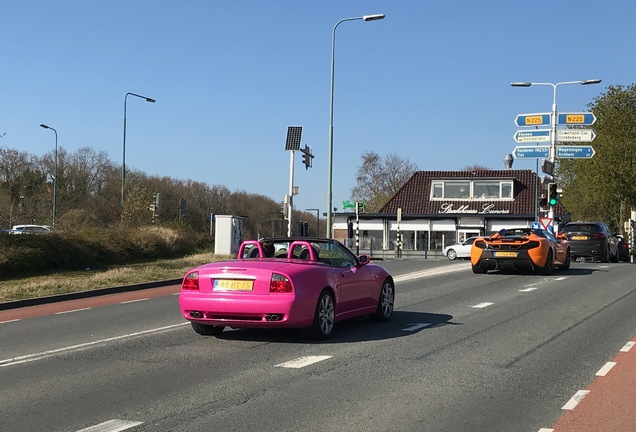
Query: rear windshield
[[582, 227]]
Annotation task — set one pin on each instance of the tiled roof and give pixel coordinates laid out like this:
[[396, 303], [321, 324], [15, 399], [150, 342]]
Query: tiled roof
[[414, 197]]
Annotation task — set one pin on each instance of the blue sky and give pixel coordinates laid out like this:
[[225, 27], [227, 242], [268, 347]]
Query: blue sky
[[430, 82]]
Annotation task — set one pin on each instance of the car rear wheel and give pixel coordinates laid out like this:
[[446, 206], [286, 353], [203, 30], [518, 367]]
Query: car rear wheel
[[324, 317], [546, 270], [478, 270], [566, 265], [451, 254], [207, 330], [606, 256], [385, 303]]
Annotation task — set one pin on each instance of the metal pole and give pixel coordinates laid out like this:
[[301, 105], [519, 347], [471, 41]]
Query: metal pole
[[54, 176], [291, 193], [123, 159], [330, 156]]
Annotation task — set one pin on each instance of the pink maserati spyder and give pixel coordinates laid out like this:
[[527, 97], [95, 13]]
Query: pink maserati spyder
[[302, 282]]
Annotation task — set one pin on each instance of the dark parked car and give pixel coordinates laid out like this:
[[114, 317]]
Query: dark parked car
[[591, 240], [623, 249]]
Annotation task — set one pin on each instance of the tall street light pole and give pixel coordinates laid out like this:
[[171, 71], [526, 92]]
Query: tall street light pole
[[553, 120], [123, 162], [54, 175], [330, 157]]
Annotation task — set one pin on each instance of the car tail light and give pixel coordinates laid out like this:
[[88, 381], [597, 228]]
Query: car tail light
[[624, 245], [279, 284], [191, 282], [599, 235]]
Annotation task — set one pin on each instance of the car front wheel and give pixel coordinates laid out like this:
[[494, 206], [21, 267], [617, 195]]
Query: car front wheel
[[451, 254], [324, 316]]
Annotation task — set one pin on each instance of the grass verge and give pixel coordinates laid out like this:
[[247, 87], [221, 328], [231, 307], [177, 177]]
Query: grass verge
[[69, 282]]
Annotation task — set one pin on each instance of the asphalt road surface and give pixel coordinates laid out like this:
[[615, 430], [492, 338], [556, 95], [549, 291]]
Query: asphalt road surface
[[463, 352]]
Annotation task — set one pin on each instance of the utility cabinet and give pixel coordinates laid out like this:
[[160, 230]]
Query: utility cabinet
[[228, 234]]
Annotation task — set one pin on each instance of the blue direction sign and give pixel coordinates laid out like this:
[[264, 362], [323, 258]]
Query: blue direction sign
[[575, 152], [533, 119], [541, 135], [527, 152], [586, 118]]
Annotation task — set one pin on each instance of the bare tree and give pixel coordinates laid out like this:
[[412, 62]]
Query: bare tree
[[378, 179]]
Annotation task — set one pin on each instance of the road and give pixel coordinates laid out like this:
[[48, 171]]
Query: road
[[463, 352]]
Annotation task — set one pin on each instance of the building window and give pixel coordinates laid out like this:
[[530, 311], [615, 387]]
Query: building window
[[471, 189]]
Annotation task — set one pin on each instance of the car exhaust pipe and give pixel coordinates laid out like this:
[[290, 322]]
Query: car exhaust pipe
[[273, 317], [196, 314]]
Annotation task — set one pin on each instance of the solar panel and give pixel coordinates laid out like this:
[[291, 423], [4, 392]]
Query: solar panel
[[293, 137]]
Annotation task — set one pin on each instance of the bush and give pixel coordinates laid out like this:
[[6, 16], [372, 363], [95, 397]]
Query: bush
[[27, 255]]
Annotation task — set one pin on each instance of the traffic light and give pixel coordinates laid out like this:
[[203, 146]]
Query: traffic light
[[359, 206], [553, 194], [307, 156]]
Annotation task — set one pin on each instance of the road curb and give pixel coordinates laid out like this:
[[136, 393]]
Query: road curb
[[85, 294]]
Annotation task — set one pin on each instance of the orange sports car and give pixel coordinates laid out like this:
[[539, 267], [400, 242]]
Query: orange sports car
[[521, 249]]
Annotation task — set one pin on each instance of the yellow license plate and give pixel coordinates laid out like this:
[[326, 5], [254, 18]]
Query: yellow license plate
[[506, 254], [233, 285], [579, 237]]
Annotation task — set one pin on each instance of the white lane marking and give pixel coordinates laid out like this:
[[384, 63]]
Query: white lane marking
[[546, 430], [413, 327], [45, 354], [605, 369], [303, 361], [560, 278], [482, 305], [112, 426], [628, 346], [133, 301], [574, 401], [527, 289], [4, 322], [71, 311], [432, 272]]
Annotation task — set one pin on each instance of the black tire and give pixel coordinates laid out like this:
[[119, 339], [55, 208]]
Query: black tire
[[566, 266], [385, 302], [478, 270], [615, 258], [546, 270], [606, 256], [451, 254], [324, 316], [207, 330]]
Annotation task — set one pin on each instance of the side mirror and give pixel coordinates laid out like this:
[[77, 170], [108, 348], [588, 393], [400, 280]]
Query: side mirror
[[364, 259]]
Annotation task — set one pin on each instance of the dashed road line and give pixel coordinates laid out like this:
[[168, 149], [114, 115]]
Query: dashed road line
[[432, 272], [112, 426], [527, 289], [134, 301], [9, 321], [71, 311], [575, 400], [482, 305], [414, 327], [605, 369], [628, 346], [301, 362]]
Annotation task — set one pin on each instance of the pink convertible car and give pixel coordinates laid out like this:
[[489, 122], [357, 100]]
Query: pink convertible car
[[302, 282]]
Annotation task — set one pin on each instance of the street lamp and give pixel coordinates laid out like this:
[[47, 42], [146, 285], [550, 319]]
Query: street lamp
[[330, 157], [54, 174], [553, 120], [123, 162]]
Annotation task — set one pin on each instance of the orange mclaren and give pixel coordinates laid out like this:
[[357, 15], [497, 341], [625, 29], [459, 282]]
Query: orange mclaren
[[521, 249]]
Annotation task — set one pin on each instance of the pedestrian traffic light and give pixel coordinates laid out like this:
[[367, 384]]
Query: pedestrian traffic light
[[553, 194]]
